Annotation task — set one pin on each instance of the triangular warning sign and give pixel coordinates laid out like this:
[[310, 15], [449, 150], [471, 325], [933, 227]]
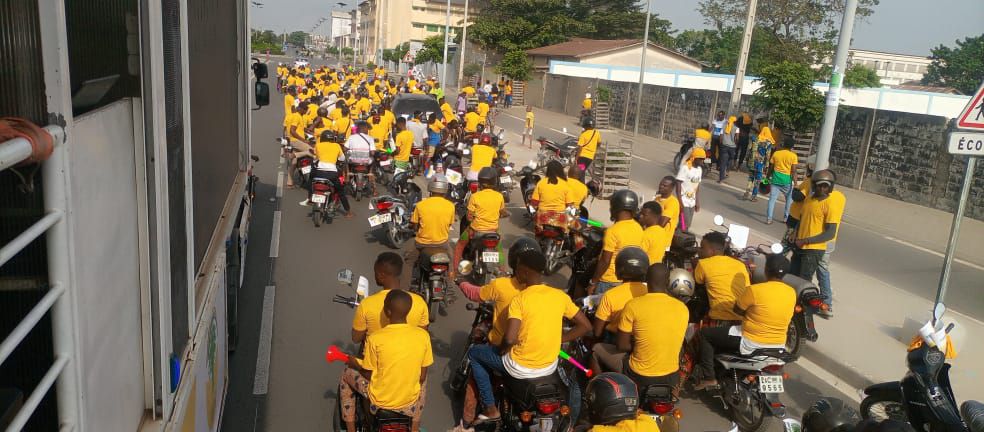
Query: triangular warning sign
[[972, 116]]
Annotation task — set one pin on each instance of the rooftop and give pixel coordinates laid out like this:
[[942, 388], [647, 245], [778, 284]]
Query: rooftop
[[581, 47]]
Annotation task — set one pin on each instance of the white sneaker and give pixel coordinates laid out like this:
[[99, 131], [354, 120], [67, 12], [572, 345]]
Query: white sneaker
[[304, 203]]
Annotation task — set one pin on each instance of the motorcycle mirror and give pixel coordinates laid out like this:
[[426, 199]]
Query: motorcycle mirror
[[938, 311], [465, 267], [718, 220], [363, 287], [345, 276], [776, 248], [791, 425]]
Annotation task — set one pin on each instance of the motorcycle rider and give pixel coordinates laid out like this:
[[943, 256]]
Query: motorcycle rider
[[631, 264], [766, 309], [432, 217], [298, 141], [483, 111], [472, 120], [613, 405], [379, 129], [656, 238], [404, 144], [482, 156], [485, 208], [579, 190], [622, 206], [360, 147], [552, 197], [587, 143], [724, 277], [343, 126], [369, 316], [534, 332], [668, 202], [393, 371], [329, 153]]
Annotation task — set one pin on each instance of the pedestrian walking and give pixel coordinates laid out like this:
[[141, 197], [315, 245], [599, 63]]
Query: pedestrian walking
[[528, 129], [745, 126], [718, 129], [759, 155], [728, 149], [688, 187], [781, 178]]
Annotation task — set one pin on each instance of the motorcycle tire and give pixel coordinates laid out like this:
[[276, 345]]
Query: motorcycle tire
[[316, 217], [358, 194], [553, 262], [758, 418], [396, 239], [882, 407], [794, 338], [434, 309]]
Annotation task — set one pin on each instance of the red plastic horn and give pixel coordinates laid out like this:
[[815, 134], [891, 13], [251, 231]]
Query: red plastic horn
[[334, 354]]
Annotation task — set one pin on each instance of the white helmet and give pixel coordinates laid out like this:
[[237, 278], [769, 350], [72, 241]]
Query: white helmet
[[681, 283], [587, 95]]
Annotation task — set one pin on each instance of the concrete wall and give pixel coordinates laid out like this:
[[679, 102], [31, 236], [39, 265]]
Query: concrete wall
[[900, 155], [655, 58]]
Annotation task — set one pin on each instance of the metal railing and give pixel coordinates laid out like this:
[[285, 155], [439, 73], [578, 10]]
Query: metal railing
[[13, 152]]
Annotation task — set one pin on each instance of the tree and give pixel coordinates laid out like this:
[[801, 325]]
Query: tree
[[516, 65], [396, 54], [858, 76], [961, 68], [431, 51], [787, 93], [265, 40], [619, 19], [297, 38], [472, 69]]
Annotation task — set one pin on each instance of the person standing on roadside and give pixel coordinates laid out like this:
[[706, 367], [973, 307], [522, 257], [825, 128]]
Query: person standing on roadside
[[744, 124], [688, 187], [781, 178], [668, 202], [717, 130], [587, 144], [759, 155], [820, 218], [528, 129], [727, 149]]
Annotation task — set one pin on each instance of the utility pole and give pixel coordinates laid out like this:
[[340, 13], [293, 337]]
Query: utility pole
[[464, 41], [746, 44], [447, 33], [836, 80], [642, 70]]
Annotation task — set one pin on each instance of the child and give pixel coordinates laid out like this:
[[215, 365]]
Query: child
[[760, 151]]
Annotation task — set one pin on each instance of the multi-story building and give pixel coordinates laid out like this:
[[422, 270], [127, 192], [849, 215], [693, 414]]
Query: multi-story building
[[388, 23], [892, 68], [342, 29]]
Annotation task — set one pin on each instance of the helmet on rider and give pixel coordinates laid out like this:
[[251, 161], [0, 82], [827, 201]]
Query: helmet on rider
[[522, 244], [611, 398], [328, 136], [824, 176], [438, 186], [681, 283], [487, 177], [588, 123], [623, 200], [631, 264], [830, 415]]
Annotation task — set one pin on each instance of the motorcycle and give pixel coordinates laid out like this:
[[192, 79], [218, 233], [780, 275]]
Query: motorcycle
[[683, 251], [481, 326], [587, 244], [430, 279], [485, 255], [404, 187], [325, 201], [528, 405], [555, 246], [383, 169], [302, 166], [750, 386], [527, 184], [416, 160], [924, 398], [565, 152], [393, 216], [359, 175], [658, 402]]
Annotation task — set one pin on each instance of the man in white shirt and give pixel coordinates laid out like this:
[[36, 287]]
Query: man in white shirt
[[359, 148], [688, 186], [418, 128]]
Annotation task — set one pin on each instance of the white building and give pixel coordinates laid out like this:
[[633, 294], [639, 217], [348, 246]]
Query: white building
[[343, 28], [892, 68]]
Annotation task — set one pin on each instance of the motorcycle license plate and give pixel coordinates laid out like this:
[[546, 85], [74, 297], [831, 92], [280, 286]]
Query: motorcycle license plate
[[490, 257], [453, 177], [377, 220], [319, 199], [306, 170], [385, 162], [770, 384], [505, 180], [546, 424], [461, 146], [507, 168]]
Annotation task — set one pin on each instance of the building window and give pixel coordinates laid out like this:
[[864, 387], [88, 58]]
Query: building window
[[416, 25], [420, 8], [433, 28]]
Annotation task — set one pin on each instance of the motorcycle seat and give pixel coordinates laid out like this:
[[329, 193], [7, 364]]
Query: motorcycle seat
[[434, 256], [319, 186], [531, 389], [385, 414], [973, 415]]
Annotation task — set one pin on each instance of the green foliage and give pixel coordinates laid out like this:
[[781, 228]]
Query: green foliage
[[370, 66], [431, 51], [472, 69], [332, 50], [347, 51], [262, 41], [297, 38], [961, 67], [604, 93], [787, 93], [396, 54], [516, 65], [858, 76]]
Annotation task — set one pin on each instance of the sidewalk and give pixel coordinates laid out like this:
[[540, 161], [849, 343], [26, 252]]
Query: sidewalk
[[865, 343]]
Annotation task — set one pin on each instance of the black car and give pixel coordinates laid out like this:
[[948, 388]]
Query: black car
[[406, 104]]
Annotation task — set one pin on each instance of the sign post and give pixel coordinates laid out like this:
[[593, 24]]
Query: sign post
[[970, 143]]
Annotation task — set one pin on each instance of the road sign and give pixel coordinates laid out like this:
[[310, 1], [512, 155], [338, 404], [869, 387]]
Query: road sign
[[966, 143], [972, 116]]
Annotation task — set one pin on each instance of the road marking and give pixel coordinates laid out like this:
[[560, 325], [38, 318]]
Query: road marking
[[280, 184], [275, 239], [561, 132], [641, 158], [930, 251], [261, 378]]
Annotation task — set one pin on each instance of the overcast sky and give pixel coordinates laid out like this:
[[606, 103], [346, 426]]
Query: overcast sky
[[902, 26]]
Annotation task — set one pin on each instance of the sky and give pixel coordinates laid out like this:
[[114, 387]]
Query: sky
[[898, 26]]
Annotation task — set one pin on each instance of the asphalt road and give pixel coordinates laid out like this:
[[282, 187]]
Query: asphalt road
[[302, 387]]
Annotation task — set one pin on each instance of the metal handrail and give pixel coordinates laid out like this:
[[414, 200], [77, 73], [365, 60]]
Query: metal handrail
[[15, 151], [29, 321], [39, 392], [25, 238]]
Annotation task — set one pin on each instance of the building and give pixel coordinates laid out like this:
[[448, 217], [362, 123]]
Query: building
[[892, 68], [618, 52], [343, 29], [388, 23]]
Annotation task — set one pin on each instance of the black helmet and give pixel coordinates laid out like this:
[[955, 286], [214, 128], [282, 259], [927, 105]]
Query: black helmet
[[588, 123], [611, 398], [623, 199], [830, 415], [631, 264], [328, 136], [522, 244], [487, 176]]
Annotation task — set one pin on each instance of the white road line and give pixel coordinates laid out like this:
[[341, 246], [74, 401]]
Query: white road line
[[280, 184], [561, 132], [641, 158], [275, 239], [261, 378], [930, 251]]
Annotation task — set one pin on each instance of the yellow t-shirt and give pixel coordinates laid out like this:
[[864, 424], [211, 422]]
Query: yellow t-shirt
[[540, 308], [332, 88], [579, 191], [768, 308], [471, 121], [468, 90], [482, 156], [395, 355], [335, 114], [328, 152], [362, 106], [586, 104], [294, 120], [343, 127], [530, 119], [447, 112], [655, 240], [725, 278], [434, 215], [703, 134], [500, 291], [816, 213], [613, 302], [552, 197], [671, 209], [588, 142], [508, 90], [642, 423], [369, 316], [765, 134], [379, 131], [617, 237], [288, 103], [404, 143], [437, 126], [485, 205], [658, 324], [482, 110], [783, 161], [796, 208]]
